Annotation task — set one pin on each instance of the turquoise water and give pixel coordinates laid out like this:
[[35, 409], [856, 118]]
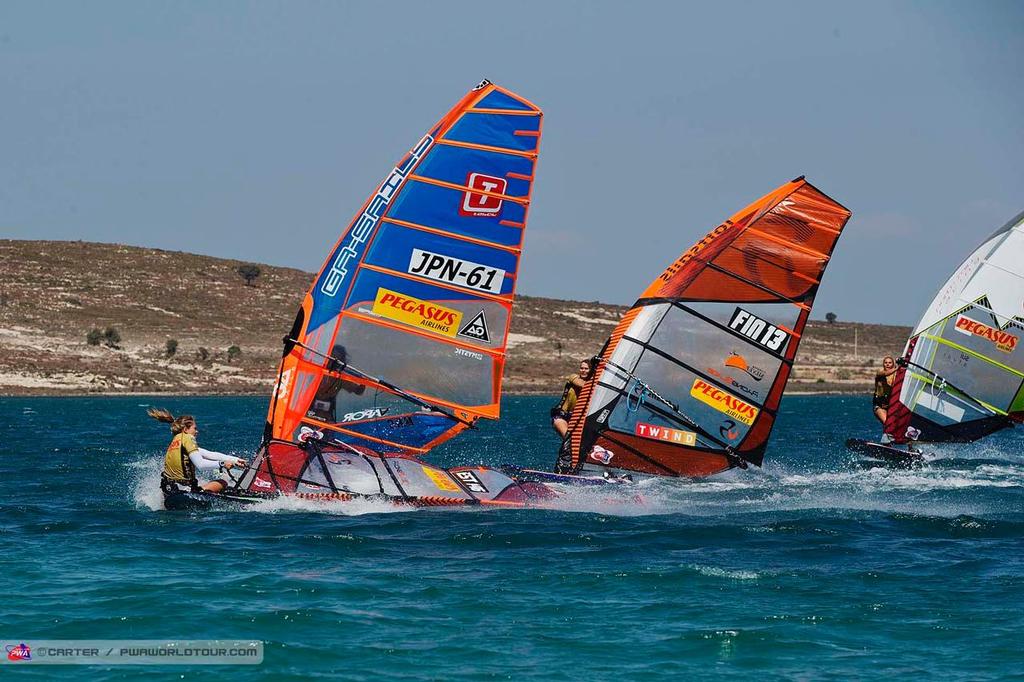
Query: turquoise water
[[815, 567]]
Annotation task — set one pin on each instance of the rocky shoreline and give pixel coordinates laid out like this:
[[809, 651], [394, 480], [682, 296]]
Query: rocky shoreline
[[226, 333]]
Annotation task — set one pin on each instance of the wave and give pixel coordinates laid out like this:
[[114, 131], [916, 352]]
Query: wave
[[926, 490], [716, 572]]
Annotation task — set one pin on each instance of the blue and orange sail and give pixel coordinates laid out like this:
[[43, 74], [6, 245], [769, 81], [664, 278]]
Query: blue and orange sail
[[400, 341]]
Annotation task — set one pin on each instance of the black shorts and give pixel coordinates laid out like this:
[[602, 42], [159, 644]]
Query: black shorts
[[170, 486], [559, 413], [880, 402]]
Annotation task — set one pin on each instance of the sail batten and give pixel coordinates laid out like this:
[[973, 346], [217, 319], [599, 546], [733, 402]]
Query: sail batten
[[460, 237], [690, 380]]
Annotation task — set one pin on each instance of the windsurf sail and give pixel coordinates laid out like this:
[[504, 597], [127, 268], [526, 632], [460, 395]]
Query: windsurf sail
[[689, 382], [962, 370], [400, 341]]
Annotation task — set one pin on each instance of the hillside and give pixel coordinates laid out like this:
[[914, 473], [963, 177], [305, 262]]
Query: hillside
[[53, 293]]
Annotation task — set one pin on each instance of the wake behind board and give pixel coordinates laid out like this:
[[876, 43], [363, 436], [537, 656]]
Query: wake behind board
[[887, 453], [516, 494], [538, 476]]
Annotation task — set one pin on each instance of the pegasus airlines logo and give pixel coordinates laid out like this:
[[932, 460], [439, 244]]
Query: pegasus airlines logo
[[480, 202], [1004, 341], [416, 313], [668, 435], [723, 402], [364, 224]]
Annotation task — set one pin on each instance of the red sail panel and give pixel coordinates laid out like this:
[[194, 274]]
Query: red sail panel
[[897, 417], [690, 380]]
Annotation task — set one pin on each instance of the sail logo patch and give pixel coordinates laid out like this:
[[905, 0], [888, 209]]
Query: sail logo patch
[[451, 270], [480, 202], [471, 481], [668, 435], [284, 384], [692, 252], [723, 402], [737, 361], [759, 331], [441, 479], [476, 329], [601, 455], [19, 652], [416, 313], [262, 483], [364, 224], [369, 413], [730, 380], [1004, 341]]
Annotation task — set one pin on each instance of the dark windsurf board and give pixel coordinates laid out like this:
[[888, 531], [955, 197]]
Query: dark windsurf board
[[888, 453]]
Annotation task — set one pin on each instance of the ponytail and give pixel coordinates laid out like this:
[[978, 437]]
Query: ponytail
[[178, 424]]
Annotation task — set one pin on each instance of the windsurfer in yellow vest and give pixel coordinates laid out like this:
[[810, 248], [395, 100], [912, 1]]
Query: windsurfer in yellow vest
[[883, 388], [184, 456], [561, 412]]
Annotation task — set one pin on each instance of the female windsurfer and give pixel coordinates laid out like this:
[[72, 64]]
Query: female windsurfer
[[883, 388], [184, 456], [561, 412]]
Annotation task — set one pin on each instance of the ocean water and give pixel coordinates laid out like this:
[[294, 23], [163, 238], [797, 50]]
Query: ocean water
[[815, 567]]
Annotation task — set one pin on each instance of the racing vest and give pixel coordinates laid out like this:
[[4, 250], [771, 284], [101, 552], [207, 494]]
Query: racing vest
[[177, 466], [570, 394]]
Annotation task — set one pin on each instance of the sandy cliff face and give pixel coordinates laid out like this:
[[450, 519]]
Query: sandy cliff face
[[53, 293]]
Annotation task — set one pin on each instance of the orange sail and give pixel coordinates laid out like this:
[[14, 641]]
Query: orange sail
[[689, 382]]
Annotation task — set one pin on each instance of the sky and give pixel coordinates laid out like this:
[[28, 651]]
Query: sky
[[256, 130]]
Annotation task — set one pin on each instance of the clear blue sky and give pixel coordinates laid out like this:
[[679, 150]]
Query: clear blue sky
[[255, 130]]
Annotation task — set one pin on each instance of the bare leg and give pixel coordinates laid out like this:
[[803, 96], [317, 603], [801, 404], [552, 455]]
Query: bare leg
[[881, 413], [561, 427], [214, 487]]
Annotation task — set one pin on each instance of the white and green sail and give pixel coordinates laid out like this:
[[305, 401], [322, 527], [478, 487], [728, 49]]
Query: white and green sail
[[963, 373]]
